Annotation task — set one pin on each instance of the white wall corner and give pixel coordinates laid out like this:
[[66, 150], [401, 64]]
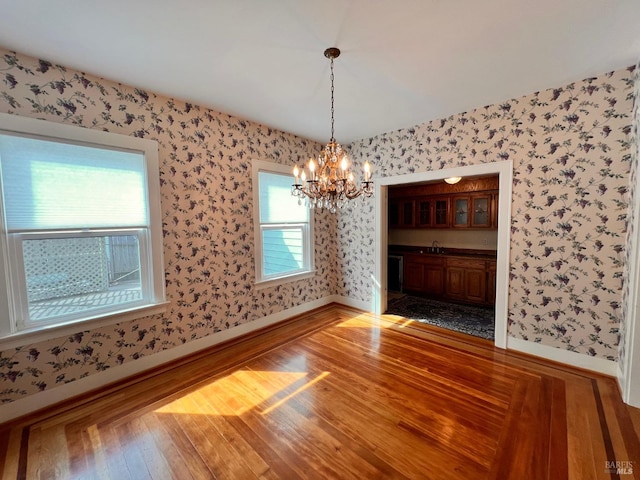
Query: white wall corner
[[350, 302], [594, 364]]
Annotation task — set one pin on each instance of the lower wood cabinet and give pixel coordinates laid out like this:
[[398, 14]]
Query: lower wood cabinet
[[413, 276], [455, 283], [463, 279], [424, 273], [467, 279]]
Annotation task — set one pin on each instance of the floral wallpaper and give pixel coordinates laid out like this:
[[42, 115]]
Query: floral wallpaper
[[570, 148], [207, 203]]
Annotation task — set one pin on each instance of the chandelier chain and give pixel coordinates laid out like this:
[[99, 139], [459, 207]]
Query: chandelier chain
[[332, 109]]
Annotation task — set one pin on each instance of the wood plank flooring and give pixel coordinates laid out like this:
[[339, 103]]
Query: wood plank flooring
[[333, 394]]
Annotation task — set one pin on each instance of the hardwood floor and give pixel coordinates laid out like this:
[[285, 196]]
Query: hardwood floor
[[333, 394]]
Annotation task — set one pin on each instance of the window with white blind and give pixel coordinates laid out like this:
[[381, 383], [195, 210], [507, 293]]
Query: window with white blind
[[81, 233], [283, 228]]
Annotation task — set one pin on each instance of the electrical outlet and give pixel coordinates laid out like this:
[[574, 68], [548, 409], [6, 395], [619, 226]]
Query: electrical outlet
[[485, 241]]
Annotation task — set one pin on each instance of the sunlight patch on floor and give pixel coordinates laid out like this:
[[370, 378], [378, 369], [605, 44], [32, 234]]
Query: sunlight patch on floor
[[293, 394], [366, 320], [234, 394]]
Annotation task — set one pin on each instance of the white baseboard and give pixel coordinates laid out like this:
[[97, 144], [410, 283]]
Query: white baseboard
[[620, 376], [67, 391], [350, 302], [594, 364], [37, 401]]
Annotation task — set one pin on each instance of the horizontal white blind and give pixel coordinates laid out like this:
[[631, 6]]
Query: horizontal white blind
[[49, 184], [277, 205]]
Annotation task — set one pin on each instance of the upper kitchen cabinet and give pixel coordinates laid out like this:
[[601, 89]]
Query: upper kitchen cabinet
[[432, 212], [480, 207], [424, 217], [494, 209], [401, 213], [473, 211], [441, 212], [481, 211], [460, 214], [471, 203]]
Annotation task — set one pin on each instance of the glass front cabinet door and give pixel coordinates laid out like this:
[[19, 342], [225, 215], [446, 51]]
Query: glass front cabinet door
[[408, 219], [424, 213], [441, 213], [461, 211], [480, 216], [401, 213]]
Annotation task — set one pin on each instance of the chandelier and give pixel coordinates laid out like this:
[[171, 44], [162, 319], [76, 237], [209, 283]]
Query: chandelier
[[329, 182]]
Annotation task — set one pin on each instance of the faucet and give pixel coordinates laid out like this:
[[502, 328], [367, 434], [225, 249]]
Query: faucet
[[435, 246]]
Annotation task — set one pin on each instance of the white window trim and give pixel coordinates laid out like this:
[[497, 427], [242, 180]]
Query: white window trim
[[306, 254], [16, 253], [260, 282], [156, 304]]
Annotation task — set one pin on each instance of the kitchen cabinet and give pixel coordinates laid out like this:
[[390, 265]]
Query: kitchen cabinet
[[441, 215], [475, 285], [460, 212], [467, 279], [401, 213], [494, 209], [424, 274], [424, 212], [481, 211], [461, 279], [473, 211], [431, 206], [455, 283], [432, 212], [413, 276]]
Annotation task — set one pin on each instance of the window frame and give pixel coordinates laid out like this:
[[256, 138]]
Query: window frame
[[308, 271], [13, 329]]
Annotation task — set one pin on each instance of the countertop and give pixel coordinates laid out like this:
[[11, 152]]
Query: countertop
[[444, 251]]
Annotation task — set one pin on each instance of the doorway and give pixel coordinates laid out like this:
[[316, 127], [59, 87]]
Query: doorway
[[504, 170]]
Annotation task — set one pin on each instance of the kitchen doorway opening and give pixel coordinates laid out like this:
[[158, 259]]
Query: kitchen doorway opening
[[383, 293]]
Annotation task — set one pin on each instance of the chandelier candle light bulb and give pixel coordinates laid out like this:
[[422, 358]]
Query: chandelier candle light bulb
[[330, 183]]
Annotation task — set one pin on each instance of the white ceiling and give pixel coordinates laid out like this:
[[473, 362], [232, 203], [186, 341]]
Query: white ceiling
[[403, 62]]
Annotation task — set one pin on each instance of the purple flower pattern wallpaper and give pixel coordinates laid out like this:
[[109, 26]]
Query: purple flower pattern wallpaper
[[571, 153], [571, 148], [207, 209]]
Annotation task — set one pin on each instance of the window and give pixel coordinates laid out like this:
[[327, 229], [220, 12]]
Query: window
[[283, 228], [81, 234]]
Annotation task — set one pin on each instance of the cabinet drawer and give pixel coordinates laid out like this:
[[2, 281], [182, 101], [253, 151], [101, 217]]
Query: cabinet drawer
[[467, 263], [424, 259]]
